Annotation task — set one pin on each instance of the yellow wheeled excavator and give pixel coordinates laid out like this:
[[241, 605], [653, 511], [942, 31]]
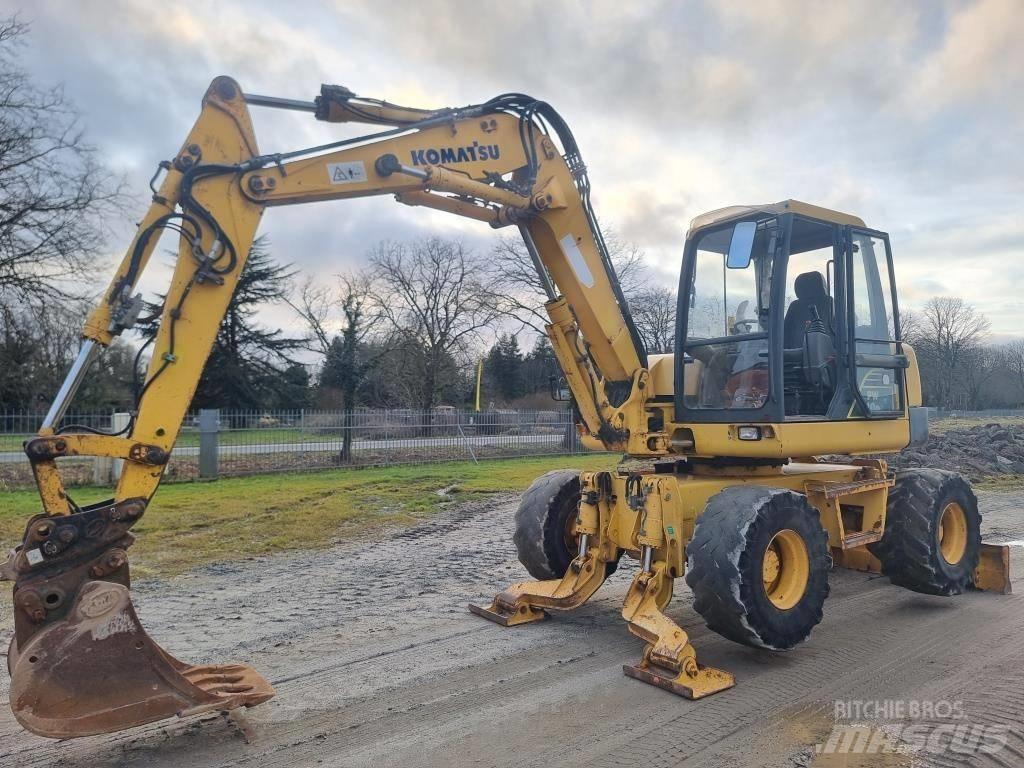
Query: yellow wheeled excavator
[[788, 348]]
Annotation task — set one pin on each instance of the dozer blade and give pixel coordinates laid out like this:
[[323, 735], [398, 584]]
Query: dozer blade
[[991, 575], [97, 671]]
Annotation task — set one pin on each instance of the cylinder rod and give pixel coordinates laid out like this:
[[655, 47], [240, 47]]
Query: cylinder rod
[[584, 541], [86, 355], [277, 102], [542, 272], [645, 564]]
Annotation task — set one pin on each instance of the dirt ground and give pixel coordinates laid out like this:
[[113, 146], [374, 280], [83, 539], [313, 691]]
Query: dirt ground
[[377, 662]]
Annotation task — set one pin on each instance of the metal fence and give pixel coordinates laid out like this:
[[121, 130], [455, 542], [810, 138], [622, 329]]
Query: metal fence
[[218, 443]]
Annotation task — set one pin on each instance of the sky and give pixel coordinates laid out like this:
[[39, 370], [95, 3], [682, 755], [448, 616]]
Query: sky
[[908, 114]]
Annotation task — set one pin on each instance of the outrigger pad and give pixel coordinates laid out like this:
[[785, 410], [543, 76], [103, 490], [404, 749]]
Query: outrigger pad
[[97, 671], [507, 616], [706, 681]]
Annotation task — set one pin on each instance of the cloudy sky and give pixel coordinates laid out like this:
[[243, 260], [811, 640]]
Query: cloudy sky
[[909, 114]]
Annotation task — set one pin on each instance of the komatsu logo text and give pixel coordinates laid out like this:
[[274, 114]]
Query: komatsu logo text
[[468, 154]]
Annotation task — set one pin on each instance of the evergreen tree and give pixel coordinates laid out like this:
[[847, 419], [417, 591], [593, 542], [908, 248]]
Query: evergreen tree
[[293, 390], [539, 366], [248, 365], [504, 365]]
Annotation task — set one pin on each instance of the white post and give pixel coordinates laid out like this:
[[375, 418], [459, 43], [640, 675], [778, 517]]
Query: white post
[[118, 422]]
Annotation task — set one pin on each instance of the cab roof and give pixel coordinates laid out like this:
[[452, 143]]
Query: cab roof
[[786, 206]]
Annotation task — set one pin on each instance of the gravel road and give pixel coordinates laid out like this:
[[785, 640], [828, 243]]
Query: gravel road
[[377, 663]]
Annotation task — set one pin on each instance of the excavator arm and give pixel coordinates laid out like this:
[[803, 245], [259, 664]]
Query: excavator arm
[[80, 661]]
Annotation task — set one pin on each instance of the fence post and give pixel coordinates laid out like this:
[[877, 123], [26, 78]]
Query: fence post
[[109, 470], [102, 466], [209, 419]]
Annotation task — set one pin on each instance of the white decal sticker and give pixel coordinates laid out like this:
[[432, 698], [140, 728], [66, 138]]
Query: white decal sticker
[[34, 556], [579, 264], [346, 173]]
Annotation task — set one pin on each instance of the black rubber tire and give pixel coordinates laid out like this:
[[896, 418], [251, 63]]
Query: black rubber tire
[[909, 550], [540, 523], [724, 562]]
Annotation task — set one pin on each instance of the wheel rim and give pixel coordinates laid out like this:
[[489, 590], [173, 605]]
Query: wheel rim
[[953, 533], [785, 569]]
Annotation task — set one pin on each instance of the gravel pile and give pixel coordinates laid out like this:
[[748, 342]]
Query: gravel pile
[[975, 452]]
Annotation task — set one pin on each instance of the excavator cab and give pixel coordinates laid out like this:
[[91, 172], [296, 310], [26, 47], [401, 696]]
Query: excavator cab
[[787, 312]]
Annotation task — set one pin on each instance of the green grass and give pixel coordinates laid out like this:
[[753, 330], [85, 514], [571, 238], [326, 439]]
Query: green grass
[[1001, 483], [189, 524]]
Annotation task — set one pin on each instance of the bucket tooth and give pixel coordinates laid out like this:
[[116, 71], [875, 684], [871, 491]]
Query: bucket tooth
[[97, 671]]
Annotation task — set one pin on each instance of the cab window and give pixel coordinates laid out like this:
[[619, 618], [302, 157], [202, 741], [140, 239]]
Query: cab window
[[810, 373], [877, 359], [727, 323]]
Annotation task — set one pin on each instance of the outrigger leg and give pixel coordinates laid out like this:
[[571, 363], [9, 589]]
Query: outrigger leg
[[526, 602], [669, 661]]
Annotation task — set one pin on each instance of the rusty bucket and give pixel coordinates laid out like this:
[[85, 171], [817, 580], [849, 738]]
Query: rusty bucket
[[97, 671]]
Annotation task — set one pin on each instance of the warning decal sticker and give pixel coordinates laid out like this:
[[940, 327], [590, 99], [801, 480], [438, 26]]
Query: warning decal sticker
[[346, 173]]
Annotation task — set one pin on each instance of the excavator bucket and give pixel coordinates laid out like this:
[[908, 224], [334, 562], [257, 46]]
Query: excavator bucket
[[80, 661], [97, 671]]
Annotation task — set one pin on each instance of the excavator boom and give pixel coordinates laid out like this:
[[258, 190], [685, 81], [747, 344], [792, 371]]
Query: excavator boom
[[80, 661]]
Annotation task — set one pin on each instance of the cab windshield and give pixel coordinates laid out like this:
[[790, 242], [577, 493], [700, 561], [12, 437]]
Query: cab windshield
[[727, 322]]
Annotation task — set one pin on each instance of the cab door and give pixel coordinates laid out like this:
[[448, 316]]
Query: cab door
[[876, 360]]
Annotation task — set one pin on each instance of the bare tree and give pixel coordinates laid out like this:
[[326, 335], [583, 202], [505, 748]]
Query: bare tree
[[431, 296], [517, 291], [347, 362], [1013, 359], [54, 195], [654, 312], [947, 335], [36, 347], [910, 326], [345, 306], [982, 363]]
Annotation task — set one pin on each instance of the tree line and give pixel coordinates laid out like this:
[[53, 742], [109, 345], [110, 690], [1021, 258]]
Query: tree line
[[407, 330], [961, 368]]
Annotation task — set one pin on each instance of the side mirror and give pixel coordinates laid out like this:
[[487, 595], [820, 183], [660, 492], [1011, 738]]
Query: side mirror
[[742, 245], [559, 389]]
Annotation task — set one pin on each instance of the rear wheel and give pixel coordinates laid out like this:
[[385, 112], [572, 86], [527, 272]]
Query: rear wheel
[[758, 566], [932, 538]]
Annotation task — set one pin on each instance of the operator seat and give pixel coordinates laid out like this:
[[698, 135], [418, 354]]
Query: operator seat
[[810, 292]]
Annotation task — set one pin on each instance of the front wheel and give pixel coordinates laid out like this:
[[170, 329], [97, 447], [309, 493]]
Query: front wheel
[[545, 523], [758, 566]]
